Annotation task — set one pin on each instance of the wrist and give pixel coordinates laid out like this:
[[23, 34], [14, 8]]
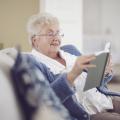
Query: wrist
[[71, 77]]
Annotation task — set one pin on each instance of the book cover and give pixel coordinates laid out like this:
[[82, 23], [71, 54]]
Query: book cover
[[96, 75]]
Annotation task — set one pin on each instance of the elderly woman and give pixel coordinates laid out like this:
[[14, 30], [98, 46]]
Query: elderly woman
[[62, 69]]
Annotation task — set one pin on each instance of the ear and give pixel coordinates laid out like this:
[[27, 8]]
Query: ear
[[34, 42]]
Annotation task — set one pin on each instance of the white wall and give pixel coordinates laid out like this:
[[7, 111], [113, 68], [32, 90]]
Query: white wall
[[111, 25], [101, 22], [92, 17]]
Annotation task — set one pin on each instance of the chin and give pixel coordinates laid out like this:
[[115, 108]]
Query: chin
[[55, 48], [54, 51]]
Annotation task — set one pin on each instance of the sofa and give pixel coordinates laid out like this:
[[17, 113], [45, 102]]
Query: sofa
[[9, 106], [18, 101]]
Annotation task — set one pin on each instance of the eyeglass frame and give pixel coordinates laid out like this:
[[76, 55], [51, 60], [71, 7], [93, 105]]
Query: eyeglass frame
[[51, 34]]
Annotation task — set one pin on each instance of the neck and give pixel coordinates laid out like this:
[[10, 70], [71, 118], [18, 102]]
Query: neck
[[53, 55]]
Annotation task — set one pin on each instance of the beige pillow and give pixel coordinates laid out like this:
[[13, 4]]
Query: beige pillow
[[9, 107], [12, 52]]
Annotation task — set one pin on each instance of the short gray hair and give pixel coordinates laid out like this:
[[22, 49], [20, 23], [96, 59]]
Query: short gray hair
[[38, 21]]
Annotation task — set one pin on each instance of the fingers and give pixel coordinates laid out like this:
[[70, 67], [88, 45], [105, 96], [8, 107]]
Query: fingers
[[88, 59], [109, 69], [89, 66], [82, 62], [85, 60]]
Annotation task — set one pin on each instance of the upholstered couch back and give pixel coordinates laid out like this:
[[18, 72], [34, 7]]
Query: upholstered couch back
[[9, 107]]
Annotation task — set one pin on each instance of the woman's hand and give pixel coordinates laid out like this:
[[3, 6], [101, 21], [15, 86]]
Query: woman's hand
[[108, 69], [82, 62]]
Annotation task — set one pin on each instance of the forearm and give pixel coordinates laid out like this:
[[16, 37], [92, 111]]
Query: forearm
[[62, 87]]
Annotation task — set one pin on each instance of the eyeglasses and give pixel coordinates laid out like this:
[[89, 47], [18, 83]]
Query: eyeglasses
[[51, 34]]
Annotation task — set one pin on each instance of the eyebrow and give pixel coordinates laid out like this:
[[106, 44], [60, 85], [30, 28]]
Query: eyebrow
[[50, 30]]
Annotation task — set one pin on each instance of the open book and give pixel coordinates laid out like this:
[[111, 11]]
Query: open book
[[96, 75]]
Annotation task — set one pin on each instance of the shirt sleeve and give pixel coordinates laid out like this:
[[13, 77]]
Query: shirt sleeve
[[62, 87], [65, 92]]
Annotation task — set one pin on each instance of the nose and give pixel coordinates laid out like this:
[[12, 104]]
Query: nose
[[57, 37]]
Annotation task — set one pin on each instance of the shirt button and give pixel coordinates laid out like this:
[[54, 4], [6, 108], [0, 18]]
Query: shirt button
[[85, 115]]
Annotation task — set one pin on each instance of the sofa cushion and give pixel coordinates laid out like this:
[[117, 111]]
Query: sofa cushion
[[9, 108], [11, 52]]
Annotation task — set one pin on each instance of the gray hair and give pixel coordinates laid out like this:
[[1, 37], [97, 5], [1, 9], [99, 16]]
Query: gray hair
[[37, 22]]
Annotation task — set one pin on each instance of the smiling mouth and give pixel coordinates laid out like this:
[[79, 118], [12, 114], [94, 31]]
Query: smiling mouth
[[56, 44]]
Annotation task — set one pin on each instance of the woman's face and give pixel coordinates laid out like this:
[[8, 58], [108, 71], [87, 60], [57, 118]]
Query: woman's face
[[49, 40]]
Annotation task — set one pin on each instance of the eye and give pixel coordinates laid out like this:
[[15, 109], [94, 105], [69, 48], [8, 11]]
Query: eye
[[50, 33]]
